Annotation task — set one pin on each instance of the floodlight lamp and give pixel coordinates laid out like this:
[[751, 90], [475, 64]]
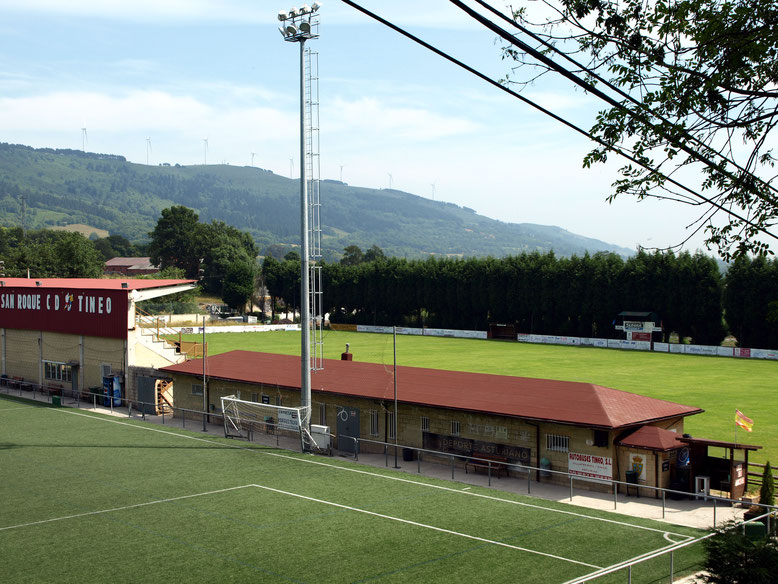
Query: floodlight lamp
[[283, 15], [282, 31], [305, 9], [315, 6], [293, 12], [305, 27], [291, 30]]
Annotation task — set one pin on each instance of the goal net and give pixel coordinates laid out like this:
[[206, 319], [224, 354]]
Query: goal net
[[246, 419]]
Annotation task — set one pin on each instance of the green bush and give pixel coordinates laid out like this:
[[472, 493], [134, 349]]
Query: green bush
[[732, 558], [767, 492]]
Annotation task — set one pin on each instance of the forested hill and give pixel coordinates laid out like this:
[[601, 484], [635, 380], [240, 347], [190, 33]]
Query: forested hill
[[62, 187]]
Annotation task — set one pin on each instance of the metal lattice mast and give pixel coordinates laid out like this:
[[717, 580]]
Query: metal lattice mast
[[299, 25], [313, 172]]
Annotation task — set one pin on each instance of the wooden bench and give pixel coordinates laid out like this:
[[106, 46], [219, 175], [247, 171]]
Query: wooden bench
[[487, 461]]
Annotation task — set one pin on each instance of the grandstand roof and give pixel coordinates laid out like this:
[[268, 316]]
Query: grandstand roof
[[92, 283], [566, 402]]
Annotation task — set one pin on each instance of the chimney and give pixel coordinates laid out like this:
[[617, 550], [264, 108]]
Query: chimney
[[346, 356]]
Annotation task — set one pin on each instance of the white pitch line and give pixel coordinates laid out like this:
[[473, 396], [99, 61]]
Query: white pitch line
[[425, 526], [372, 474], [102, 511]]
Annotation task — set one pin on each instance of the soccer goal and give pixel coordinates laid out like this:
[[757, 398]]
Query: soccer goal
[[244, 419]]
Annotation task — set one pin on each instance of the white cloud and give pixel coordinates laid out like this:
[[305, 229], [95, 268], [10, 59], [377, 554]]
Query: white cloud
[[392, 123]]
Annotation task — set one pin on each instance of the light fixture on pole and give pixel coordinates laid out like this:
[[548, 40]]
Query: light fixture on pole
[[297, 26]]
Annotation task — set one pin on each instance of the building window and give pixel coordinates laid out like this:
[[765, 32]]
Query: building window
[[265, 398], [254, 397], [390, 421], [374, 422], [323, 414], [57, 371], [197, 389], [425, 424], [601, 438], [557, 443], [455, 427]]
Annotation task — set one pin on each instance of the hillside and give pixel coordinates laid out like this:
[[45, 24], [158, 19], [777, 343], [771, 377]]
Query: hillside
[[64, 187]]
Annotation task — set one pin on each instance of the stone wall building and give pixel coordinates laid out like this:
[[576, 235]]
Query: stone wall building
[[565, 426]]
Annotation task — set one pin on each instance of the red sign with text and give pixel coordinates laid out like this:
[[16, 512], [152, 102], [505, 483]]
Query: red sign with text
[[97, 313]]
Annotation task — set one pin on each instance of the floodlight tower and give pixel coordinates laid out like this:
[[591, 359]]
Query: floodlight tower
[[299, 25]]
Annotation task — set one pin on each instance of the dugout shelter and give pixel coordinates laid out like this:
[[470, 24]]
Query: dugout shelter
[[68, 335], [553, 425]]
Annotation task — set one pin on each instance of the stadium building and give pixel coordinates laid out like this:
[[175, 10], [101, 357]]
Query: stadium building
[[591, 431], [70, 336]]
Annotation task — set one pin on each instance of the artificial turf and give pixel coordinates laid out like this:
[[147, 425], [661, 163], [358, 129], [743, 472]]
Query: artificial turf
[[93, 498]]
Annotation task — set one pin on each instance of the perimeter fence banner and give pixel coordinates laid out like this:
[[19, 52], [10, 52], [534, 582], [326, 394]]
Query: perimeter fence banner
[[677, 348], [427, 332]]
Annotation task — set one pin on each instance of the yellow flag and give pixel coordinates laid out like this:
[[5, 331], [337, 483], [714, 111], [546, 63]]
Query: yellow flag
[[744, 421]]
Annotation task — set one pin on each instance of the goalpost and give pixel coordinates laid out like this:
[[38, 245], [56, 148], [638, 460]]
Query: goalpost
[[244, 418]]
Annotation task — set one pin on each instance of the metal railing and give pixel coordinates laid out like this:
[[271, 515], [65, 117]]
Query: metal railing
[[618, 487]]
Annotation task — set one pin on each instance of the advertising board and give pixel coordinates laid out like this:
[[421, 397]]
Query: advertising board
[[97, 313]]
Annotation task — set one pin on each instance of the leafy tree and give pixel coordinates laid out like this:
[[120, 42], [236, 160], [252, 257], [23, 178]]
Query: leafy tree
[[77, 257], [238, 284], [374, 254], [49, 254], [174, 240], [220, 245], [691, 86], [115, 246], [352, 255]]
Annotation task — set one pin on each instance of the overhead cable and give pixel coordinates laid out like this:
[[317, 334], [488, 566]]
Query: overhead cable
[[554, 116], [590, 88]]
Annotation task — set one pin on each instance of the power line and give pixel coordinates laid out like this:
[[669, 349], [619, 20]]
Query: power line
[[554, 116], [603, 96]]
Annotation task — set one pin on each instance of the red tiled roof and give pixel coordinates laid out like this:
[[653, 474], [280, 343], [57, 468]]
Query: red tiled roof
[[129, 261], [91, 283], [652, 438], [537, 399]]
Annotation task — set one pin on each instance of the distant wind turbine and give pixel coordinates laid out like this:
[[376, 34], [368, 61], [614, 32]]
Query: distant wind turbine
[[148, 149], [83, 138], [291, 166], [390, 180], [205, 151], [433, 190], [252, 158], [341, 172]]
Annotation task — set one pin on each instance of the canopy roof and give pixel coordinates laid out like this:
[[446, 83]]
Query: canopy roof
[[566, 402]]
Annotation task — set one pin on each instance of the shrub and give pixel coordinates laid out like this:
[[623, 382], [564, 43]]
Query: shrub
[[732, 558]]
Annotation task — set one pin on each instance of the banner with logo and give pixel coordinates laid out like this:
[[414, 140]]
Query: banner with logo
[[97, 313]]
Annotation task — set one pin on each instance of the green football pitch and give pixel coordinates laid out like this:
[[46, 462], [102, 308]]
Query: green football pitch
[[718, 385], [86, 497]]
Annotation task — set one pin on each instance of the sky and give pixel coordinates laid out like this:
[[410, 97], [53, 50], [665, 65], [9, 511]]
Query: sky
[[153, 80]]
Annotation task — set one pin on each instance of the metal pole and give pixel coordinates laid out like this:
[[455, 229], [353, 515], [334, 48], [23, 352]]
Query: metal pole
[[205, 398], [714, 513], [394, 343], [305, 313]]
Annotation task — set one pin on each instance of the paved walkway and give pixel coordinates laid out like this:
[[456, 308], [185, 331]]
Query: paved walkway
[[691, 512]]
